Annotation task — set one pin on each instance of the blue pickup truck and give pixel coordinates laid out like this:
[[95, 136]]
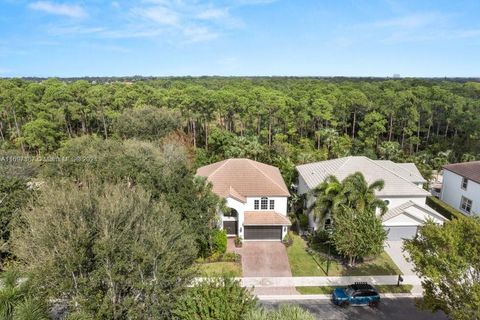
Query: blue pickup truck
[[359, 293]]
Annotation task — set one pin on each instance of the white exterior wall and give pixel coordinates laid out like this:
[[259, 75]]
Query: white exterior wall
[[280, 207], [240, 207], [280, 204], [452, 192]]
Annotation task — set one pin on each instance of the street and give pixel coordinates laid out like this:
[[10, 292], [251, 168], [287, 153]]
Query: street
[[391, 309]]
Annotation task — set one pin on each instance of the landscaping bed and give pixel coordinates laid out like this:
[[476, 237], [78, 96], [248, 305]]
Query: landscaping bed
[[217, 265], [305, 262], [382, 289], [218, 269]]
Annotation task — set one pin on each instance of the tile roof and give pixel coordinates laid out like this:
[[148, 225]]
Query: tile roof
[[413, 209], [398, 182], [408, 171], [469, 170], [258, 218], [240, 178]]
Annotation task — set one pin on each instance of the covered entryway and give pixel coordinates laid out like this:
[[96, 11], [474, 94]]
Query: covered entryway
[[230, 227], [263, 232], [397, 233]]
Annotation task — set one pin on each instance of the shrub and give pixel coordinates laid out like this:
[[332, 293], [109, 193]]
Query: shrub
[[288, 240], [215, 298], [238, 241], [443, 208], [231, 257], [303, 221], [319, 236], [219, 241], [285, 312]]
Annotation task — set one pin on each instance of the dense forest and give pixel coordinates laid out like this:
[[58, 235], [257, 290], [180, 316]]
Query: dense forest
[[100, 208], [283, 121]]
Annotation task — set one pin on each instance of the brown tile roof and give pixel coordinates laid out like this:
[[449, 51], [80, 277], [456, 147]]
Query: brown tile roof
[[469, 170], [260, 218], [242, 178]]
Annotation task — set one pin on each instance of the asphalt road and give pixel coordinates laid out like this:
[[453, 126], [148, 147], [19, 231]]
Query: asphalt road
[[391, 309]]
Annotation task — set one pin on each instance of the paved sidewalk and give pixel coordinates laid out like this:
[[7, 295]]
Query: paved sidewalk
[[259, 282], [394, 250]]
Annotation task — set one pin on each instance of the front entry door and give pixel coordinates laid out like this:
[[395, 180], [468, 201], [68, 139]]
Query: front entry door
[[230, 227]]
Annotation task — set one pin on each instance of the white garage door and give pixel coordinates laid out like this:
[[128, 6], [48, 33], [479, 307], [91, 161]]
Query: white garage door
[[400, 233]]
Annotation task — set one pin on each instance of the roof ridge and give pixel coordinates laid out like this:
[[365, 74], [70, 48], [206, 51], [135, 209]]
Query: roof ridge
[[377, 164], [251, 162], [398, 165], [216, 170]]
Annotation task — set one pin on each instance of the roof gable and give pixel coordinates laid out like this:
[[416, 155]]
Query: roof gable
[[395, 184], [240, 178], [412, 211]]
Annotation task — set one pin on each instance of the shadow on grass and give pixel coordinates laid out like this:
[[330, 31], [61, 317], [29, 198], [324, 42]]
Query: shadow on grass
[[368, 269]]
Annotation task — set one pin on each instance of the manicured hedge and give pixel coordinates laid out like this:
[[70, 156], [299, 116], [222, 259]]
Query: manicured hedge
[[444, 209]]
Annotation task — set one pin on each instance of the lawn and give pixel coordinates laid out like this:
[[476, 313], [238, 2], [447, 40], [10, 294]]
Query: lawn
[[217, 269], [382, 289], [304, 264]]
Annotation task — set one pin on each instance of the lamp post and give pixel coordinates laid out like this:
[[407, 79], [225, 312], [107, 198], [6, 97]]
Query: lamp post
[[329, 231]]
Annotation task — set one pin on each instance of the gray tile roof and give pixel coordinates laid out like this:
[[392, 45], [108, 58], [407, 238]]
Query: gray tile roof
[[404, 208], [397, 182]]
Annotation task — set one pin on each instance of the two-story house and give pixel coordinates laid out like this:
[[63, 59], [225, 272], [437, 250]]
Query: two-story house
[[403, 191], [461, 186], [256, 195]]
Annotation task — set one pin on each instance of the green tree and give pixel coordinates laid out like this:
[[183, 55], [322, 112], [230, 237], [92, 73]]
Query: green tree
[[357, 233], [216, 298], [447, 258], [371, 128], [109, 250], [147, 123], [41, 135], [14, 194]]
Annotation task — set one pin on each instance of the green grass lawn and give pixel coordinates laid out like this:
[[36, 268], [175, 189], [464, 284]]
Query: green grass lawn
[[218, 269], [304, 264], [382, 289]]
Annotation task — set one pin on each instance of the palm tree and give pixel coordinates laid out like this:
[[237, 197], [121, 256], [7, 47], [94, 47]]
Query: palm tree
[[326, 198], [360, 196], [353, 192]]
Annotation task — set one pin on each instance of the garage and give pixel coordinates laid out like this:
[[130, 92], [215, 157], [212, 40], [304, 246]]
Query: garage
[[230, 227], [263, 232], [396, 233]]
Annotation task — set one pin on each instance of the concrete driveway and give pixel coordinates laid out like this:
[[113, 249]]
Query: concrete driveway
[[394, 250], [264, 259]]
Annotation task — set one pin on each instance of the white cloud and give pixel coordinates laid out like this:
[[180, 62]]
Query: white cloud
[[213, 14], [199, 34], [159, 14], [410, 21], [69, 10]]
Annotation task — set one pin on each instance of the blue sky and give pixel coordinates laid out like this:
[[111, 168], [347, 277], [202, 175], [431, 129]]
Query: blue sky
[[240, 37]]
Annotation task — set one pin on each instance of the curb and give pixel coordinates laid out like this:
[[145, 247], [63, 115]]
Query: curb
[[328, 297]]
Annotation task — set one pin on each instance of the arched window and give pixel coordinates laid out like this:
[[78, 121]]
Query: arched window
[[233, 213], [264, 203]]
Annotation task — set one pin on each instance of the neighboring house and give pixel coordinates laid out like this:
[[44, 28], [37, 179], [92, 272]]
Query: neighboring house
[[255, 193], [403, 192], [461, 186]]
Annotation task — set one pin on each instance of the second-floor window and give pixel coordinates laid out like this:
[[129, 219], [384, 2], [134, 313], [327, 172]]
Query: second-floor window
[[464, 183], [264, 203], [466, 204], [256, 205], [272, 204]]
